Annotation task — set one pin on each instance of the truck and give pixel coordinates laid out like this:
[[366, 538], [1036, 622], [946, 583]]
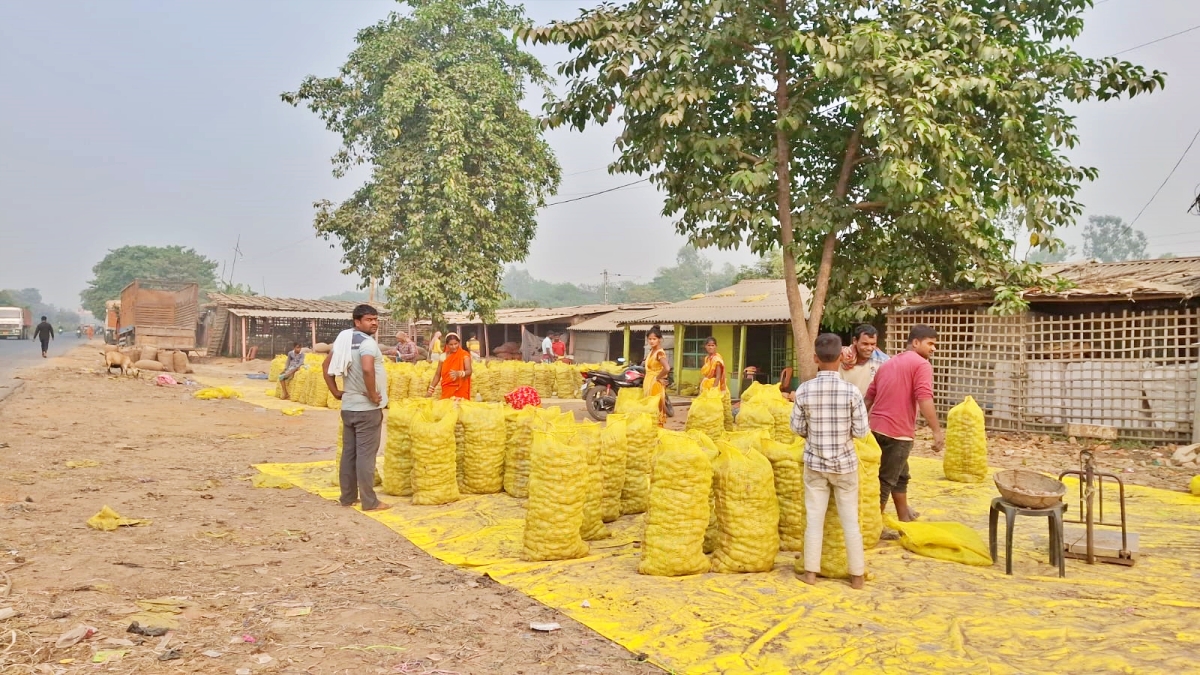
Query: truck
[[112, 320], [15, 322], [161, 314]]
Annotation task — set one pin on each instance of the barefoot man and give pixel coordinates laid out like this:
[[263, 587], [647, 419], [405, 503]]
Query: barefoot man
[[295, 361], [357, 357], [903, 384]]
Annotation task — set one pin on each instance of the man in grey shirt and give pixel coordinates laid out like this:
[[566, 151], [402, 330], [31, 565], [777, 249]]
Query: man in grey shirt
[[363, 402], [295, 361]]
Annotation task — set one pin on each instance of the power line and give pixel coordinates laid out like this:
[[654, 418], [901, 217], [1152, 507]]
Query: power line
[[1165, 37], [1164, 183], [593, 194]]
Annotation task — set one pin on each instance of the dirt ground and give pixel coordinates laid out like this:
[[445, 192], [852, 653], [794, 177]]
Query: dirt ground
[[263, 580]]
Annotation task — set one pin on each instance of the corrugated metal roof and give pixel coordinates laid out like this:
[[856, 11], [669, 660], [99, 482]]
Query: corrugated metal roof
[[750, 301], [1160, 279], [259, 302], [515, 316], [610, 322], [280, 314]]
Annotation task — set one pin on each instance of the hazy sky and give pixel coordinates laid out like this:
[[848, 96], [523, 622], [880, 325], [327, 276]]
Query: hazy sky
[[152, 122]]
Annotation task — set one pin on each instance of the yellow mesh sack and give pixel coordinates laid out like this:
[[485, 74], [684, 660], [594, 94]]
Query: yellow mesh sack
[[627, 399], [543, 380], [747, 512], [433, 451], [587, 440], [781, 413], [549, 415], [965, 459], [787, 463], [756, 389], [673, 544], [557, 492], [316, 392], [482, 382], [460, 448], [525, 374], [403, 375], [756, 415], [748, 439], [418, 386], [298, 386], [397, 454], [332, 402], [834, 564], [278, 365], [507, 377], [710, 451], [950, 541], [518, 436], [567, 382], [727, 405], [707, 414], [337, 456], [613, 452], [1194, 486], [641, 434], [484, 438], [646, 404]]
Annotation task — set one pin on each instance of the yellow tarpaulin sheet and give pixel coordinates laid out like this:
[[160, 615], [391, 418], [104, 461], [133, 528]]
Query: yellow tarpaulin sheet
[[917, 614]]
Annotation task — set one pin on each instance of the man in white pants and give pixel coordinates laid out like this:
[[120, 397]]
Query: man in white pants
[[829, 413]]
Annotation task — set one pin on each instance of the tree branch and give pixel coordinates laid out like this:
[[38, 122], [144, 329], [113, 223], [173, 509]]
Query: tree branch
[[869, 206], [826, 268]]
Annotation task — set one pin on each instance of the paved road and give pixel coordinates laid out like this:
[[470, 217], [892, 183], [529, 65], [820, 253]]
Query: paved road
[[18, 354]]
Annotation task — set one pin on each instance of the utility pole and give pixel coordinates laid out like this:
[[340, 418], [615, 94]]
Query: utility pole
[[237, 253], [371, 293], [604, 274]]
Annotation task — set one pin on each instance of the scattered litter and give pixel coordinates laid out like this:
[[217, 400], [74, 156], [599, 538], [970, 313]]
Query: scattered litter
[[7, 613], [212, 654], [108, 520], [240, 437], [264, 659], [210, 393], [138, 629], [119, 642], [544, 627], [108, 655], [263, 480], [298, 611], [82, 464], [256, 376], [165, 380], [74, 636], [170, 655], [158, 615], [292, 412], [242, 671], [248, 638], [585, 604]]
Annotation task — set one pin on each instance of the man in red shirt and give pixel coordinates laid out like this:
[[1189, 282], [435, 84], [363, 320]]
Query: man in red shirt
[[557, 346], [903, 384]]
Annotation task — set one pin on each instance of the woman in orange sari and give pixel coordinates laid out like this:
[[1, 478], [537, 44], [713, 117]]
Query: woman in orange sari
[[454, 371], [712, 375], [657, 369]]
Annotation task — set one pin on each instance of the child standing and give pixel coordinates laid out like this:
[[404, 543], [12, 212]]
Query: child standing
[[829, 414]]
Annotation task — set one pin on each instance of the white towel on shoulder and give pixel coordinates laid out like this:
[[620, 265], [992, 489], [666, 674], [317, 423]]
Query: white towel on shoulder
[[341, 353]]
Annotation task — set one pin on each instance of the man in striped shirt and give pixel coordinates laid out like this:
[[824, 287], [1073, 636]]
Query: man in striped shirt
[[829, 413]]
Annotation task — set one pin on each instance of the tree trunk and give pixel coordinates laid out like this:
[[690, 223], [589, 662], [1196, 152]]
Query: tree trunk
[[801, 335]]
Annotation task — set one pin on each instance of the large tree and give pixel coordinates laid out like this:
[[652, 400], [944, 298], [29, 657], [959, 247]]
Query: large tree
[[122, 265], [430, 100], [872, 140], [1110, 239]]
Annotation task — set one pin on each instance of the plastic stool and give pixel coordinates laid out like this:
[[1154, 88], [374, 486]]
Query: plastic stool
[[1055, 516]]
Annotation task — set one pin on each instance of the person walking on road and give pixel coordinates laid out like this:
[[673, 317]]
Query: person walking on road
[[903, 385], [357, 357], [45, 333]]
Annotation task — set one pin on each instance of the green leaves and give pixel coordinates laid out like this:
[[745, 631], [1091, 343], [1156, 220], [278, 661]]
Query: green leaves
[[123, 265], [960, 103], [430, 100]]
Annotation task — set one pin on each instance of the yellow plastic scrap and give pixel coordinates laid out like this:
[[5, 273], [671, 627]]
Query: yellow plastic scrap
[[710, 451], [965, 460], [587, 440], [756, 415], [756, 298], [834, 564], [210, 393], [292, 412], [613, 452], [747, 512], [518, 425], [483, 453], [641, 434], [950, 541], [787, 463], [1195, 485], [108, 520], [433, 451], [673, 544], [707, 413], [397, 454], [557, 492], [265, 481]]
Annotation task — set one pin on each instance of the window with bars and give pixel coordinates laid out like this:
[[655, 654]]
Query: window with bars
[[781, 356], [693, 345]]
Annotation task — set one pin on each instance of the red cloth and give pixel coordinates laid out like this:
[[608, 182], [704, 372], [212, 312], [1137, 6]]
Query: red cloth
[[460, 388], [522, 396], [902, 382], [559, 348]]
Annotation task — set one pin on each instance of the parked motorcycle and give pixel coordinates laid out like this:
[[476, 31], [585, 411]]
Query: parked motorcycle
[[600, 390]]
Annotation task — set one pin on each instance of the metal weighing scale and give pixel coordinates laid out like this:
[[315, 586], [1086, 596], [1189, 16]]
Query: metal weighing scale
[[1088, 543]]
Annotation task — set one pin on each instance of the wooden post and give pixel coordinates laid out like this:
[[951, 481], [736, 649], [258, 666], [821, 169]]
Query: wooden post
[[741, 369], [1196, 410], [244, 322], [571, 343], [487, 348], [312, 326], [521, 343], [628, 342], [679, 330]]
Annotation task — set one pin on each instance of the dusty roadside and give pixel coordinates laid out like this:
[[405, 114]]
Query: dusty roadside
[[264, 580]]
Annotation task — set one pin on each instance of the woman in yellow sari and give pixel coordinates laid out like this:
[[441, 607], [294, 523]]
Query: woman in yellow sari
[[713, 376], [657, 370]]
